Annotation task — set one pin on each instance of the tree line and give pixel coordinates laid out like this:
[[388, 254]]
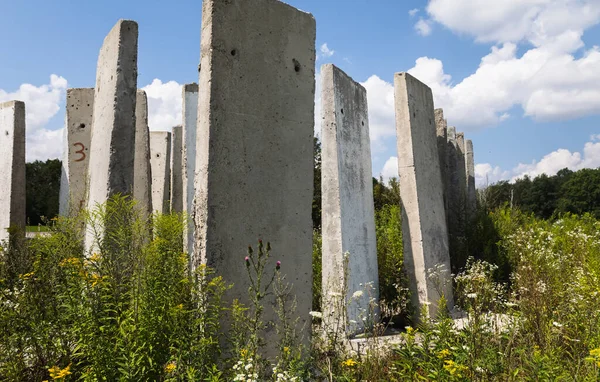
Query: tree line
[[546, 196]]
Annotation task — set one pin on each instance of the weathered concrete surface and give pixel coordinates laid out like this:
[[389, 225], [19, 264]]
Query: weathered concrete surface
[[160, 162], [142, 174], [76, 155], [12, 167], [462, 171], [347, 197], [177, 169], [424, 229], [456, 201], [441, 128], [112, 144], [471, 191], [190, 116], [255, 143]]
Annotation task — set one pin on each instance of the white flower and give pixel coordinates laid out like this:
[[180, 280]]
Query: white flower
[[316, 314], [358, 294], [557, 324], [472, 295]]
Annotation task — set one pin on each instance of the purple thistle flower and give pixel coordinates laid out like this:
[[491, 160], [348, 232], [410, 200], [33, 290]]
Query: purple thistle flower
[[278, 265], [247, 259]]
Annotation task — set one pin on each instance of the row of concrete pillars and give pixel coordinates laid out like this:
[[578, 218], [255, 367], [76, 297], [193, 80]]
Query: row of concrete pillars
[[241, 163]]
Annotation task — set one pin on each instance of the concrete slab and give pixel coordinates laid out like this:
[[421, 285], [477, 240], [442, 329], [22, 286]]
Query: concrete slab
[[254, 144], [12, 167], [347, 197], [471, 191], [190, 116], [142, 174], [112, 148], [424, 230], [160, 162], [76, 155], [177, 169], [441, 128]]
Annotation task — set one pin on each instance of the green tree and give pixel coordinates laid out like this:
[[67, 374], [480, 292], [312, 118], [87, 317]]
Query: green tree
[[42, 190]]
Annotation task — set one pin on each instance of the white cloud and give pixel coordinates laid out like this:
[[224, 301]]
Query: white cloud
[[550, 164], [514, 21], [553, 79], [390, 169], [380, 98], [595, 137], [41, 104], [413, 12], [164, 104], [423, 27], [325, 51]]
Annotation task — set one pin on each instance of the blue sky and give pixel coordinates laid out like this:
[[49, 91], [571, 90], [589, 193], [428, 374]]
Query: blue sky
[[521, 79]]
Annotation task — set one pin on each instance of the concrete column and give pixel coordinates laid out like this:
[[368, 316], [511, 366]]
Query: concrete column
[[76, 155], [347, 192], [190, 115], [112, 145], [471, 191], [12, 167], [177, 169], [254, 168], [160, 162], [441, 128], [142, 175], [424, 229]]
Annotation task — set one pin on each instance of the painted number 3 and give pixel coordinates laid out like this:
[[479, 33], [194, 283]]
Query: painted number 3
[[80, 151]]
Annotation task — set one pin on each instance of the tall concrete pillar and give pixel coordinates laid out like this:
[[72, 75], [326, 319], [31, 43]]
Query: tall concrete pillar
[[112, 147], [424, 229], [347, 192], [12, 167], [160, 162], [255, 143], [462, 171], [177, 169], [471, 191], [142, 174], [441, 128], [190, 115], [76, 154]]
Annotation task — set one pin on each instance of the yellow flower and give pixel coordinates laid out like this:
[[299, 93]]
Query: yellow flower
[[286, 349], [349, 363], [170, 367], [444, 354], [70, 261], [26, 275], [453, 368], [595, 356], [410, 330], [95, 257], [244, 353], [58, 373], [180, 306]]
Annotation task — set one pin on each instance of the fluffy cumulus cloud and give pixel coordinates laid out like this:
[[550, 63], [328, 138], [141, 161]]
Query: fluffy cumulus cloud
[[380, 98], [556, 78], [550, 164], [390, 169], [164, 104], [41, 104]]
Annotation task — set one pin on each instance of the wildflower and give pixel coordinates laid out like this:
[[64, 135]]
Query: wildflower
[[247, 260], [316, 314], [472, 295], [170, 367], [27, 275], [444, 354], [286, 349], [349, 363], [278, 265], [58, 373], [358, 294], [409, 330], [180, 306], [95, 257], [244, 353], [557, 324]]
